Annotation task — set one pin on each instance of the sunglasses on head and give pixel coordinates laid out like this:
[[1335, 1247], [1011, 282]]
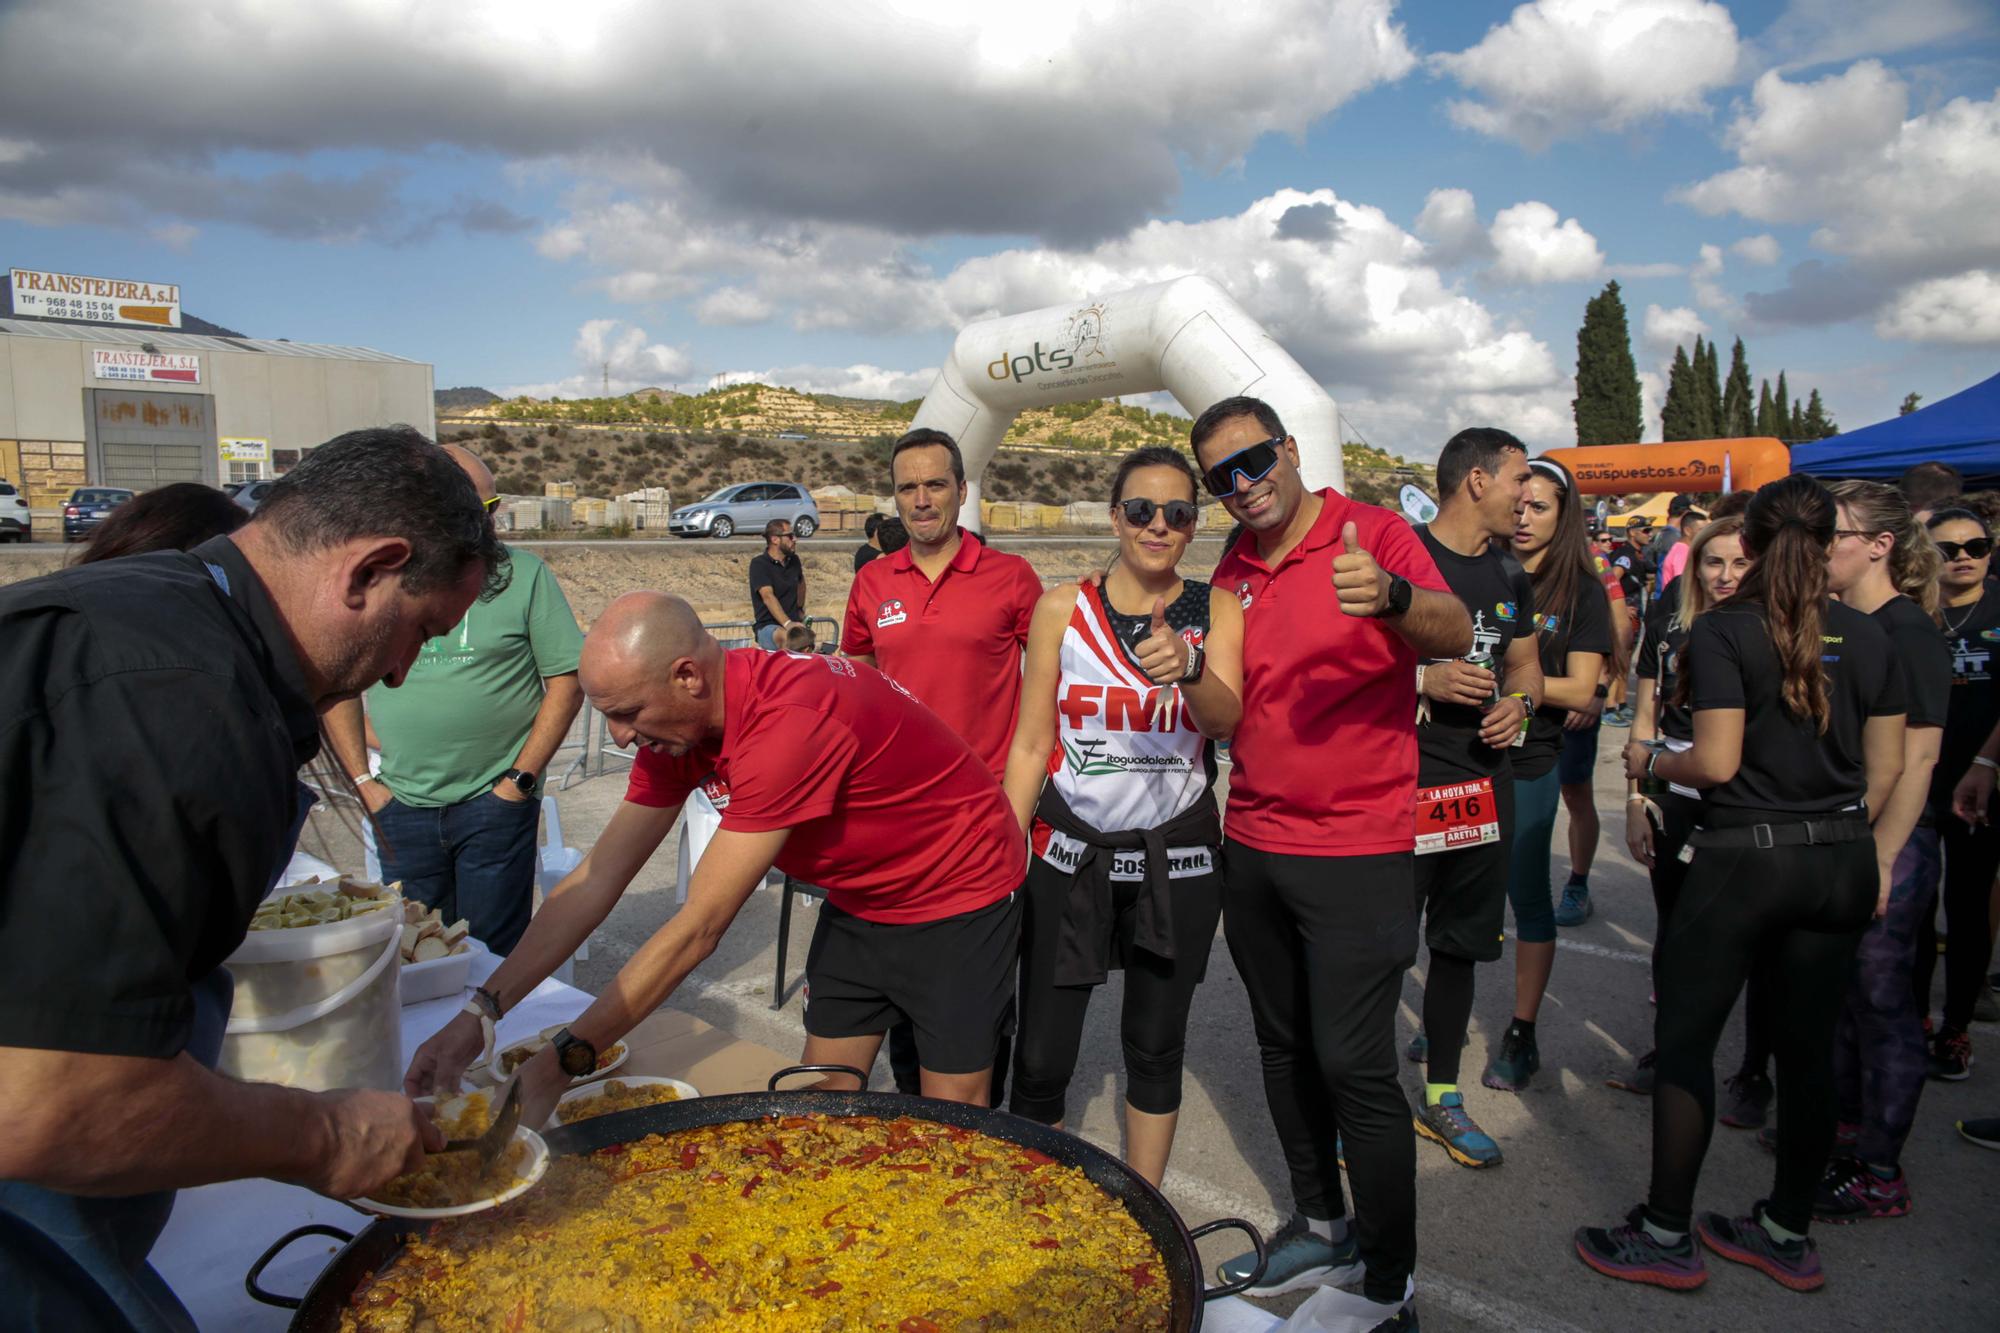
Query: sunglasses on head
[[1252, 464], [1976, 549], [1139, 512], [490, 502]]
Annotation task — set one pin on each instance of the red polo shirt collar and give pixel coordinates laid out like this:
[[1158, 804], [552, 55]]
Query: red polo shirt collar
[[1324, 531], [963, 559]]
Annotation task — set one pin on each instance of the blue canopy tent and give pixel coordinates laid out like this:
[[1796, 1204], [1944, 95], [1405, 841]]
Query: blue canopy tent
[[1962, 430]]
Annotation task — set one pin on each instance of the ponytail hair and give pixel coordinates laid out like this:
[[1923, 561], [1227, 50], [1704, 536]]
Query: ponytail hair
[[1787, 531], [1876, 506]]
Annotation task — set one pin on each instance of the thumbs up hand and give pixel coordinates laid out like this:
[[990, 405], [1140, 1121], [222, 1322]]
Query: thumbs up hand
[[1162, 654], [1358, 581]]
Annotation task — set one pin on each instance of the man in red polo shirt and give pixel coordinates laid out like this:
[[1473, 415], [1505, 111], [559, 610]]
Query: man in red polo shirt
[[947, 618], [837, 776], [1340, 600]]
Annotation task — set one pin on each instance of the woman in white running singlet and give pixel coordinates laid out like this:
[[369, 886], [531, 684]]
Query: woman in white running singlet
[[1125, 689]]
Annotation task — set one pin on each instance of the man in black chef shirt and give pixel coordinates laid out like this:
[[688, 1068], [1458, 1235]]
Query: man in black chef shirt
[[1629, 559], [154, 713], [1466, 729]]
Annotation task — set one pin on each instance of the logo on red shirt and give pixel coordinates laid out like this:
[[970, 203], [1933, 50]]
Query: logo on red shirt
[[1192, 636], [892, 613], [1244, 595], [716, 790]]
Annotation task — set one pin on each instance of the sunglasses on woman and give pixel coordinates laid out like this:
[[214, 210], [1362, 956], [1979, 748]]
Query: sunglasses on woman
[[1252, 464], [1139, 512], [1976, 549]]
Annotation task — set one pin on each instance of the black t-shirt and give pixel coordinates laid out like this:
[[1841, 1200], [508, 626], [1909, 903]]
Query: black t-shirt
[[1583, 628], [1971, 636], [1500, 598], [863, 554], [1629, 561], [1788, 765], [1925, 662], [151, 730], [1659, 661], [783, 578]]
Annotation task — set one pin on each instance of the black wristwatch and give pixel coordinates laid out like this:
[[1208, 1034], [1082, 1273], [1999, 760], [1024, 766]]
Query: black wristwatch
[[577, 1057], [1400, 593], [524, 781]]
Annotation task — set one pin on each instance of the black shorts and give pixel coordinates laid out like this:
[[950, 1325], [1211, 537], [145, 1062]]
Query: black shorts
[[952, 979], [1462, 894], [1578, 757]]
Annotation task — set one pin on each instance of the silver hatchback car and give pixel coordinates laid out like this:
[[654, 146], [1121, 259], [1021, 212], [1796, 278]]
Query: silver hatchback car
[[745, 508]]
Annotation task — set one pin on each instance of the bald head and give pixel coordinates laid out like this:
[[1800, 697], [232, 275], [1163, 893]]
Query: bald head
[[482, 476], [654, 672]]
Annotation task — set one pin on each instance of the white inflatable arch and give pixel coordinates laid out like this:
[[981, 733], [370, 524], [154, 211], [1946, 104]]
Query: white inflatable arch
[[1185, 336]]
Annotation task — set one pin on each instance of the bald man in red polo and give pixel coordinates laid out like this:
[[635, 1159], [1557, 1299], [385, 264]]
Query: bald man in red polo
[[834, 774]]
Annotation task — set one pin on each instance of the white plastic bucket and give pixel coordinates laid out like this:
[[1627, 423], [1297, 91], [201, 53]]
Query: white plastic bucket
[[319, 1007]]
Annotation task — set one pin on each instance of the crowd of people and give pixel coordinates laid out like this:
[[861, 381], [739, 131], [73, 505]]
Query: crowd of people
[[1009, 791]]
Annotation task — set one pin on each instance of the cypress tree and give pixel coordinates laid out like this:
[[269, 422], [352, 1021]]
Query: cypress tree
[[1736, 420], [1797, 424], [1818, 425], [1910, 401], [1606, 406], [1781, 408], [1767, 419], [1677, 413], [1704, 396]]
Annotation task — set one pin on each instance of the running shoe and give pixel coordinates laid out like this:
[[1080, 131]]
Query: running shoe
[[1296, 1258], [1574, 909], [1516, 1063], [1420, 1049], [1951, 1057], [1985, 1008], [1640, 1080], [1845, 1136], [1982, 1133], [1620, 716], [1749, 1101], [1630, 1254], [1850, 1192], [1400, 1318], [1449, 1124], [1743, 1240]]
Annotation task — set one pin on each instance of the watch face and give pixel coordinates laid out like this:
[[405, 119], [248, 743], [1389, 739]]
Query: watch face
[[576, 1055]]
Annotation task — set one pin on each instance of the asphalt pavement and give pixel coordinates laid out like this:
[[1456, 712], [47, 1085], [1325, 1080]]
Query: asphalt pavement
[[1495, 1249]]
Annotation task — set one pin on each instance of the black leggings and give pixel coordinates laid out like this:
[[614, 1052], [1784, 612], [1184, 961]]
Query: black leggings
[[1322, 943], [1787, 920], [1670, 834], [1158, 993], [1971, 858]]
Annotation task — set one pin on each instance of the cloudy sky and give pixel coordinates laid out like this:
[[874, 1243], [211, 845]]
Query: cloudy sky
[[1416, 200]]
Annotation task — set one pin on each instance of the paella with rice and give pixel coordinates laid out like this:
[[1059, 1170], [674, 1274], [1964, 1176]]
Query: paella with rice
[[795, 1223]]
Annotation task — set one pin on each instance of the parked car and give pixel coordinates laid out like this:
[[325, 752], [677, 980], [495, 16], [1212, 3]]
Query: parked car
[[252, 493], [793, 435], [16, 523], [746, 507], [88, 506]]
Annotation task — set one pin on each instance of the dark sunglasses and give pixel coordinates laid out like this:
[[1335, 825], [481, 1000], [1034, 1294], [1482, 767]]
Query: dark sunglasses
[[1139, 512], [1977, 549], [1253, 464]]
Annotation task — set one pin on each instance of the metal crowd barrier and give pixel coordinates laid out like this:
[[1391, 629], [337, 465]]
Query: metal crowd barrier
[[598, 749]]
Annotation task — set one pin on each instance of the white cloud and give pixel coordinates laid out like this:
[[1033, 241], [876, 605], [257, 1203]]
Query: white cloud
[[613, 349], [1883, 186], [733, 305], [1451, 228], [857, 381], [1822, 32], [1561, 68], [1757, 249], [1663, 330], [1533, 246], [1964, 308], [1064, 121], [1652, 397], [1709, 293]]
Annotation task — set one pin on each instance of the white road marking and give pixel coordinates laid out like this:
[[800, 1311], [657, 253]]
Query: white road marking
[[1600, 951]]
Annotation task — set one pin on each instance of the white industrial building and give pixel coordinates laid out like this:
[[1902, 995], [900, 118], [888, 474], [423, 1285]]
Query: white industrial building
[[107, 404]]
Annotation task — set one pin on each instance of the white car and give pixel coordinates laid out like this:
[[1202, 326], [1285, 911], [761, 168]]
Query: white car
[[16, 523]]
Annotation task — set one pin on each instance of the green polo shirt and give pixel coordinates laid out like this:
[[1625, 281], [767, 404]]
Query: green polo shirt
[[459, 721]]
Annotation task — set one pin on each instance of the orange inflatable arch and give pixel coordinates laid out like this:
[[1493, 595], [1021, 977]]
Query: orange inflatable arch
[[1684, 465]]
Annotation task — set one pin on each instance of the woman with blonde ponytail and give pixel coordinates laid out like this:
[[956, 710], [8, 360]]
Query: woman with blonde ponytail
[[1885, 565], [1798, 735]]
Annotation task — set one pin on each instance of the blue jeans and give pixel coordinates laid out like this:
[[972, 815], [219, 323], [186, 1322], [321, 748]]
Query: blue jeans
[[474, 860], [767, 636]]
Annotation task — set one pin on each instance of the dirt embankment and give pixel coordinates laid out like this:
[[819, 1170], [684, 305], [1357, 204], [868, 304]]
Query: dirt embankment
[[715, 579]]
